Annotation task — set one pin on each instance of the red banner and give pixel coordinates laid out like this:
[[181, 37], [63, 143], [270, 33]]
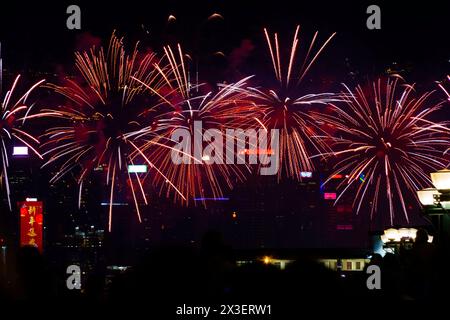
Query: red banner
[[31, 224]]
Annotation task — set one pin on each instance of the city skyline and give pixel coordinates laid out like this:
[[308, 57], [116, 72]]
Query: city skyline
[[183, 154]]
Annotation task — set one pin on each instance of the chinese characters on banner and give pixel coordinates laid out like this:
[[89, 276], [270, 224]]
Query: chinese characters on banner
[[31, 224]]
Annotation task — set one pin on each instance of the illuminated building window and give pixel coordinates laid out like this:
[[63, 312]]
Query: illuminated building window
[[329, 195], [344, 208], [344, 227], [137, 168], [306, 174], [20, 151], [333, 265]]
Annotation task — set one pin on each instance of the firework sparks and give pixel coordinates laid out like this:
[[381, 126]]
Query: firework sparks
[[385, 135], [228, 106], [287, 110], [443, 86], [104, 115], [13, 116]]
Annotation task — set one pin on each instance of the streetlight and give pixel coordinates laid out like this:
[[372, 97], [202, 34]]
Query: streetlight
[[397, 235], [393, 239], [436, 201], [427, 196], [441, 179]]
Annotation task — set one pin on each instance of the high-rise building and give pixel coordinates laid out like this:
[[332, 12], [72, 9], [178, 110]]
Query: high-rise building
[[272, 213]]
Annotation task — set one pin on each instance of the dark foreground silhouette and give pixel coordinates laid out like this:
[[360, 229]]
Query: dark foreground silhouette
[[174, 276]]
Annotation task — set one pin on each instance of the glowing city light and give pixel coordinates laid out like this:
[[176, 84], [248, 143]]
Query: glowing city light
[[137, 168], [20, 151]]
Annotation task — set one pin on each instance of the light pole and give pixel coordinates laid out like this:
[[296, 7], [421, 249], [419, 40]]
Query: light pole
[[436, 201]]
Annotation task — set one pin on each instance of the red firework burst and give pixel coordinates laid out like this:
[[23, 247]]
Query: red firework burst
[[103, 116], [13, 114], [387, 135], [186, 104], [286, 108]]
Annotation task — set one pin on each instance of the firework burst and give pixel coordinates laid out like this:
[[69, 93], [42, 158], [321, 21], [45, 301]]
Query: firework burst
[[386, 135], [286, 109], [103, 117], [444, 85], [186, 104], [13, 114]]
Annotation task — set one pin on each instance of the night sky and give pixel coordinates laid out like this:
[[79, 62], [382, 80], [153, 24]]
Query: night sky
[[412, 38], [271, 239], [35, 38]]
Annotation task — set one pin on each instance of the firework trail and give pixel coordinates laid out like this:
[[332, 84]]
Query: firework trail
[[13, 114], [227, 107], [443, 85], [102, 117], [286, 108], [385, 134]]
